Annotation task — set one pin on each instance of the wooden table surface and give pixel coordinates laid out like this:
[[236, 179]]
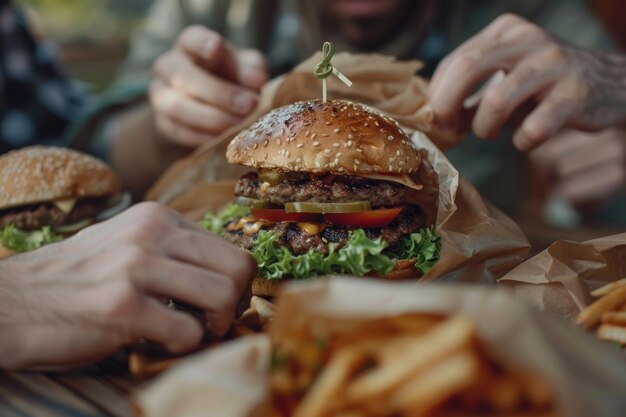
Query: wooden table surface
[[100, 391]]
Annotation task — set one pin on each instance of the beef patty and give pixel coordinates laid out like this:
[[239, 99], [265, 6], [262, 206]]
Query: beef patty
[[410, 220], [47, 214], [324, 189]]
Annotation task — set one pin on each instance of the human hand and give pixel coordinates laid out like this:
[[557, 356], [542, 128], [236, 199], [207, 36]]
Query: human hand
[[562, 85], [203, 86], [82, 299], [587, 169]]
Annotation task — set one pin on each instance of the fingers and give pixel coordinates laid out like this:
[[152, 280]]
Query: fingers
[[191, 113], [179, 72], [178, 332], [215, 293], [465, 71], [502, 99], [491, 33], [550, 116], [201, 248], [252, 69], [208, 49]]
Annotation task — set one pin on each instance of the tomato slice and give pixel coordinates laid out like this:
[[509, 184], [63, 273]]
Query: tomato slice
[[369, 219], [280, 215]]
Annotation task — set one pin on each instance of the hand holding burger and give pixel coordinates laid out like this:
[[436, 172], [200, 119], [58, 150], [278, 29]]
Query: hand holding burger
[[82, 299]]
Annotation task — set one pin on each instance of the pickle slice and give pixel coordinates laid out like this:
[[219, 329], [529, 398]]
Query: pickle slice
[[271, 177], [312, 207], [73, 227], [251, 202]]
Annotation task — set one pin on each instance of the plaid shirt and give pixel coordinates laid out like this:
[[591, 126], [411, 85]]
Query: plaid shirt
[[37, 100]]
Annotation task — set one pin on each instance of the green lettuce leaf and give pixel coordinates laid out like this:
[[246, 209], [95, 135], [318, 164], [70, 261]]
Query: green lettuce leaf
[[25, 241], [215, 222], [360, 256], [424, 246]]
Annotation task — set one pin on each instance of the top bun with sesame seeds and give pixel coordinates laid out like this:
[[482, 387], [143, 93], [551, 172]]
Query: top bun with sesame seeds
[[43, 174], [325, 137]]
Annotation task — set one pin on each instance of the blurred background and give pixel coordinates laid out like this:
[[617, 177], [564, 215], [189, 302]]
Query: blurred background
[[92, 34]]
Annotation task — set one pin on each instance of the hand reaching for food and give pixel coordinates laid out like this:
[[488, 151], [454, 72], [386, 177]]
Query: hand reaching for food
[[203, 86], [549, 85]]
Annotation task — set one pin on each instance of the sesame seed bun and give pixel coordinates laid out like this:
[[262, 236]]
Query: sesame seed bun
[[336, 136], [404, 269], [40, 174]]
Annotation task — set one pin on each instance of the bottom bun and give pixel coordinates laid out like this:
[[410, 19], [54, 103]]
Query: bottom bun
[[402, 270], [262, 287], [5, 252]]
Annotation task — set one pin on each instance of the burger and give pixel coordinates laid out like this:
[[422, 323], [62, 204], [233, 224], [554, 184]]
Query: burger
[[334, 191], [48, 193]]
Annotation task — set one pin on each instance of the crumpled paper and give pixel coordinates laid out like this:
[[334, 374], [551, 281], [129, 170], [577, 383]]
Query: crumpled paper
[[587, 375], [560, 279], [479, 242]]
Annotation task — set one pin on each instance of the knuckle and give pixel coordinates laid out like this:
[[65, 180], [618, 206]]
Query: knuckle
[[160, 64], [534, 130], [151, 211], [509, 19], [496, 100], [576, 89], [195, 31], [255, 56], [122, 301], [151, 220], [464, 62], [132, 258], [554, 54]]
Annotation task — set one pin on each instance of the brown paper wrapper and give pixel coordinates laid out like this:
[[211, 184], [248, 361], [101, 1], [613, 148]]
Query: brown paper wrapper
[[560, 279], [479, 242], [588, 376]]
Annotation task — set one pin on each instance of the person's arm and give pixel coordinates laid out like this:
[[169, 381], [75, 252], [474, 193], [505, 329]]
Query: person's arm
[[549, 84], [82, 299], [139, 153]]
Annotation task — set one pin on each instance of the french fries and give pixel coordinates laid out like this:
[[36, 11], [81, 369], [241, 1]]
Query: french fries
[[607, 313], [434, 366]]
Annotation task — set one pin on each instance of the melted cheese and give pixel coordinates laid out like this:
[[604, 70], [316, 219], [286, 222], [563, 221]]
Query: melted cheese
[[249, 225], [311, 229], [252, 228], [66, 205], [403, 179]]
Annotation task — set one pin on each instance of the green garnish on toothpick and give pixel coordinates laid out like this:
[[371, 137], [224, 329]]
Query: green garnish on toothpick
[[325, 68]]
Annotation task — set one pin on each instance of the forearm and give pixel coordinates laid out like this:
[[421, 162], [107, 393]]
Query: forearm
[[138, 152]]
